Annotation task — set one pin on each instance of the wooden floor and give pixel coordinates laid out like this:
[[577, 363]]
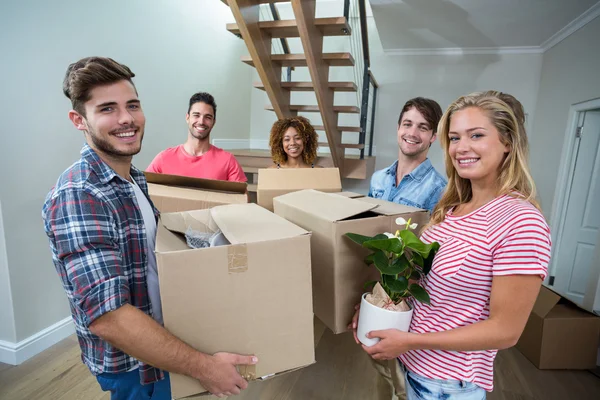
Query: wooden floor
[[342, 371]]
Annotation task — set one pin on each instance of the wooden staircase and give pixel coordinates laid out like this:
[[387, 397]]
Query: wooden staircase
[[258, 36]]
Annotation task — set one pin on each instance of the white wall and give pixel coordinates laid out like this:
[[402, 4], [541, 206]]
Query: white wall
[[7, 318], [175, 48], [570, 75]]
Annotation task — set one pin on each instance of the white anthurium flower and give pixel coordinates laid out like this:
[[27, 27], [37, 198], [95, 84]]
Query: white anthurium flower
[[400, 221], [413, 225], [389, 235]]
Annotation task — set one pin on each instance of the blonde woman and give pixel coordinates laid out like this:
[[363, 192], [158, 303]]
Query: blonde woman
[[495, 248]]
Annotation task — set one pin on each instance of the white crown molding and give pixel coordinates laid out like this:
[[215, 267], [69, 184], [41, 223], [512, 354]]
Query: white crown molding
[[589, 15], [592, 13], [457, 51], [16, 353]]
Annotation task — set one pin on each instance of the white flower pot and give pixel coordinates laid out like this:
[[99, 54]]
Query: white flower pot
[[373, 318]]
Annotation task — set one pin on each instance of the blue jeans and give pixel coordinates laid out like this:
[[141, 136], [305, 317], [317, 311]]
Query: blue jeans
[[127, 386], [420, 388]]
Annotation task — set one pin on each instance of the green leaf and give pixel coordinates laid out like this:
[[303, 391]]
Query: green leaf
[[428, 262], [369, 259], [398, 285], [419, 293], [417, 259], [413, 242], [379, 236], [400, 264], [393, 245], [384, 266], [360, 239], [415, 275], [369, 285]]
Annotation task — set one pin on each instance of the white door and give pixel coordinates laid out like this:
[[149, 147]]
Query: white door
[[575, 253]]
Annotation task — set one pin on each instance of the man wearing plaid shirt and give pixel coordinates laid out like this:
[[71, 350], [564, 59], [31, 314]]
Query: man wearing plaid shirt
[[101, 225]]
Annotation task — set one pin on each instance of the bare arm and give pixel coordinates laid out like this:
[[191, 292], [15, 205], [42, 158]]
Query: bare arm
[[511, 302], [138, 335]]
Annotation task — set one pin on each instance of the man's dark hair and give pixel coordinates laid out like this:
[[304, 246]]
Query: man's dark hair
[[430, 109], [203, 97], [88, 73]]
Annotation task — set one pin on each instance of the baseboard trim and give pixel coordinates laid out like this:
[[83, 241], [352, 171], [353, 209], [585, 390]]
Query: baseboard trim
[[17, 353]]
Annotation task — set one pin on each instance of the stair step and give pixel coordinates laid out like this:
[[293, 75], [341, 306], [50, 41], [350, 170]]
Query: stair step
[[308, 86], [354, 167], [264, 1], [344, 145], [340, 128], [337, 109], [337, 26], [299, 60]]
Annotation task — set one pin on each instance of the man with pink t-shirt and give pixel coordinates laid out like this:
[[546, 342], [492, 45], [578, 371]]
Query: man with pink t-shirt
[[197, 157]]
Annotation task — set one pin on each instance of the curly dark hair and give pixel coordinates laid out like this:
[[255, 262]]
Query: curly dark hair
[[306, 131]]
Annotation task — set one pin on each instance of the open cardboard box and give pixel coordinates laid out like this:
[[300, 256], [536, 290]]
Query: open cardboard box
[[339, 270], [171, 193], [252, 296], [276, 182], [560, 335]]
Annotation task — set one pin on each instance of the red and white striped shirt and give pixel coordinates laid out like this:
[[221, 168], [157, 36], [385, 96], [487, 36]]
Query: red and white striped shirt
[[507, 236]]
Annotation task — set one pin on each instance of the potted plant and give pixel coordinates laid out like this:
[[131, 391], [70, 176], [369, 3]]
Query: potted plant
[[402, 260]]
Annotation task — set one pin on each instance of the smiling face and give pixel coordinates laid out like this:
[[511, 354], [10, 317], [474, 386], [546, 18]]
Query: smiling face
[[114, 121], [414, 134], [200, 120], [292, 142], [475, 147]]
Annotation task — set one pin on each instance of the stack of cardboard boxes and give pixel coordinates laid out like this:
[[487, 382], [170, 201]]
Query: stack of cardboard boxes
[[256, 293]]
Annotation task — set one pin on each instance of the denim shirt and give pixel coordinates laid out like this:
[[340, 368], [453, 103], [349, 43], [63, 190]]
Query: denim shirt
[[422, 188]]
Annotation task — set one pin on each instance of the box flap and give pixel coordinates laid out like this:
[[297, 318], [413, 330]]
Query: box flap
[[327, 206], [179, 222], [196, 183], [545, 301], [299, 178], [350, 195], [249, 223], [389, 208]]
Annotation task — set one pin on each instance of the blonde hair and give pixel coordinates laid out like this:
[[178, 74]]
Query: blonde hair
[[506, 113]]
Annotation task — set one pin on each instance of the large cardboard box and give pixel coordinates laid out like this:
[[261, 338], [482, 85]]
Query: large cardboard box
[[172, 193], [250, 297], [560, 335], [276, 182], [339, 271]]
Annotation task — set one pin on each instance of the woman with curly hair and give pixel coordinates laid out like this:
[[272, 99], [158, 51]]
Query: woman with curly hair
[[293, 143]]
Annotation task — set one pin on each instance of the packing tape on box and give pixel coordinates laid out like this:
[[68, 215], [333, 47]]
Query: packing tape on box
[[237, 258], [248, 372]]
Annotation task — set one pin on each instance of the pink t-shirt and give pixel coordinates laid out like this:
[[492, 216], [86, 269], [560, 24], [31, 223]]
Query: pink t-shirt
[[507, 236], [216, 164]]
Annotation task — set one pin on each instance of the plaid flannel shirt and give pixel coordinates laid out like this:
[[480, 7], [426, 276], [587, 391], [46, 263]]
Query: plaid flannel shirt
[[98, 242]]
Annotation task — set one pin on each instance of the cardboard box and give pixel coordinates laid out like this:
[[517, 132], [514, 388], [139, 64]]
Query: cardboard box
[[276, 182], [250, 297], [172, 193], [350, 195], [339, 271], [560, 335]]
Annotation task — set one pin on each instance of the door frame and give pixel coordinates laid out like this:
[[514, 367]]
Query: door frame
[[563, 185]]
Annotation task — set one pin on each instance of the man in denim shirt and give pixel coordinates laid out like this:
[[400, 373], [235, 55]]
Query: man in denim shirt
[[412, 180]]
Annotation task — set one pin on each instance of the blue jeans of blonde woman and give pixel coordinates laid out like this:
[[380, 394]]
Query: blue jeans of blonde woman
[[420, 388]]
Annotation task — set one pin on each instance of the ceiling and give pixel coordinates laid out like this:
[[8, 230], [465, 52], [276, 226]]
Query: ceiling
[[439, 25]]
